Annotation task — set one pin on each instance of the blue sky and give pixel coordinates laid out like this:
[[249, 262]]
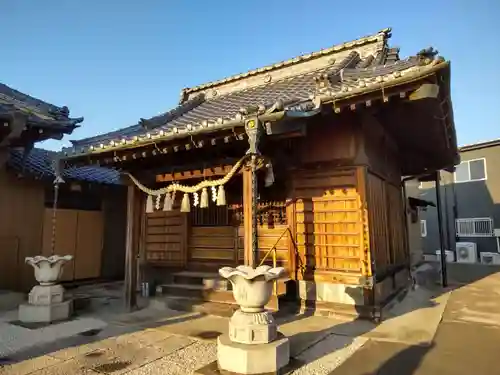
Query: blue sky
[[115, 61]]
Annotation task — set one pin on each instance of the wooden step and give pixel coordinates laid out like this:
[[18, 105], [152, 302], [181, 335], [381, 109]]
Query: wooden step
[[206, 279], [196, 305], [196, 291]]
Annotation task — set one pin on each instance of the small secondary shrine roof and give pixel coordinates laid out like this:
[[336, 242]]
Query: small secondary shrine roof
[[50, 121]]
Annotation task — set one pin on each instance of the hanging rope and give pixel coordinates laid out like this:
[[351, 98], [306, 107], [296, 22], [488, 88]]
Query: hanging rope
[[190, 189], [57, 181], [54, 218], [255, 197]]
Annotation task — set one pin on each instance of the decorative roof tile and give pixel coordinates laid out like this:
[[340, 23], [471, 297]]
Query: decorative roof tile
[[38, 112]]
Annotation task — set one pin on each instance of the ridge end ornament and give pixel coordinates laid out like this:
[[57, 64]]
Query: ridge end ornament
[[253, 129]]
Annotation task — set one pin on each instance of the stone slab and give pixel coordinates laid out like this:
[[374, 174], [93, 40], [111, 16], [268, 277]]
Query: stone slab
[[29, 366], [182, 362], [327, 355], [197, 326], [253, 359], [29, 313], [15, 339]]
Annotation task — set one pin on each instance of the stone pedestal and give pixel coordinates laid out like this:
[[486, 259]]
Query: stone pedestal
[[253, 345], [46, 294], [253, 359], [252, 328], [45, 304], [45, 313]]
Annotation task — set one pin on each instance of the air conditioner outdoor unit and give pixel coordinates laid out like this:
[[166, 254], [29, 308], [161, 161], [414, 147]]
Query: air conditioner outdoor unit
[[450, 256], [490, 258], [466, 252]]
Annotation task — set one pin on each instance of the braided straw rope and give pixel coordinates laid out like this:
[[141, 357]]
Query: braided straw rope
[[190, 189]]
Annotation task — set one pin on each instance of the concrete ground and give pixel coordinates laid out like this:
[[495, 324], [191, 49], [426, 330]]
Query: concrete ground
[[431, 330], [466, 341]]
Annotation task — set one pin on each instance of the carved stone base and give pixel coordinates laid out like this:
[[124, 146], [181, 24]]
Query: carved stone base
[[46, 294], [45, 313], [252, 328], [252, 359]]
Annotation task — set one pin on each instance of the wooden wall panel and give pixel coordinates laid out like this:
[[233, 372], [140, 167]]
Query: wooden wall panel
[[9, 264], [334, 140], [329, 221], [65, 238], [269, 237], [378, 222], [21, 216], [89, 245], [381, 153], [387, 222], [165, 238], [397, 223], [211, 247]]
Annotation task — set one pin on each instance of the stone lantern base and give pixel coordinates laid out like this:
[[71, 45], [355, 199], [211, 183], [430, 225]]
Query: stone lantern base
[[46, 304], [253, 359], [45, 313]]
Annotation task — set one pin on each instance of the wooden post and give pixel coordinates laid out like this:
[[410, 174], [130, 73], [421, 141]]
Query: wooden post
[[248, 221], [131, 249]]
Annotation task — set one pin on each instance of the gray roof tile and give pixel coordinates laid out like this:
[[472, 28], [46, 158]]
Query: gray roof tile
[[295, 90], [38, 163], [40, 113]]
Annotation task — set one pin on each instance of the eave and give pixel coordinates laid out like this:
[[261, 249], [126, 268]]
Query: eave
[[381, 88]]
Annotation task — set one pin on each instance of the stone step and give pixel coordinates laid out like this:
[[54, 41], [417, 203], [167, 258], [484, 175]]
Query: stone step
[[206, 279]]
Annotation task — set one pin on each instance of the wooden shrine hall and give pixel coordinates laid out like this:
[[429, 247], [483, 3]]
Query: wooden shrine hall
[[297, 164]]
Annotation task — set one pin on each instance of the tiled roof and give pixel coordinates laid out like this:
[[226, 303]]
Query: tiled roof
[[299, 84], [38, 163], [40, 113]]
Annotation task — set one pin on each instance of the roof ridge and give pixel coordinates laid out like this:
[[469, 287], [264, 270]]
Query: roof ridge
[[381, 35]]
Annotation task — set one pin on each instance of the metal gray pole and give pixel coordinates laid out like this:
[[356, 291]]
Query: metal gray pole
[[444, 276]]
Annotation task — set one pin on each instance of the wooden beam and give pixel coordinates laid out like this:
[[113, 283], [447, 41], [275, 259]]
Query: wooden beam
[[247, 218], [200, 173], [133, 214]]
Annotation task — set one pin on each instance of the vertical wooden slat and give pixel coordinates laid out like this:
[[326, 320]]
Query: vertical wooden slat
[[291, 219], [130, 253], [247, 217], [364, 225], [89, 243]]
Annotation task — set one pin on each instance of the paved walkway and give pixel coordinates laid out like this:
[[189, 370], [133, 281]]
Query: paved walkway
[[467, 341], [429, 332]]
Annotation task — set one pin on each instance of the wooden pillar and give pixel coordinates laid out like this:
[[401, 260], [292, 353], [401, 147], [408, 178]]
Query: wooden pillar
[[248, 222], [131, 247]]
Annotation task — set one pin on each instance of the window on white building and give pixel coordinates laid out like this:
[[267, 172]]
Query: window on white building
[[474, 227], [471, 170], [423, 228]]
